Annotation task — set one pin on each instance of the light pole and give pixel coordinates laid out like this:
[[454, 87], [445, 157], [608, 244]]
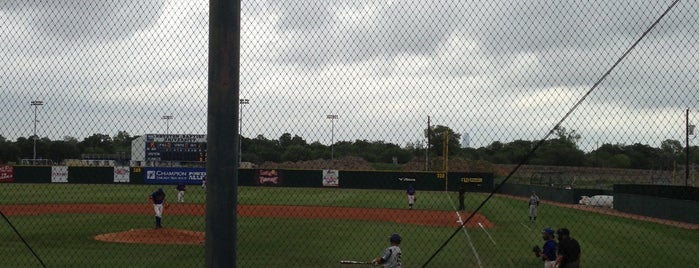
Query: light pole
[[167, 119], [332, 118], [36, 105], [689, 130], [240, 130]]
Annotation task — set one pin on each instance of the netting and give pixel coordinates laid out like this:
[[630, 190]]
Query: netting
[[344, 106]]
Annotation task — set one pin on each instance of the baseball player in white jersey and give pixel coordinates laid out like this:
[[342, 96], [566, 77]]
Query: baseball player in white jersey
[[391, 256], [533, 206]]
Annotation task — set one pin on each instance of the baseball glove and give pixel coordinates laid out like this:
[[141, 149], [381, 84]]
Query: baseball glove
[[536, 250]]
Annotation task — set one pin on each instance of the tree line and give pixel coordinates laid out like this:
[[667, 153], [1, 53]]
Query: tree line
[[561, 150]]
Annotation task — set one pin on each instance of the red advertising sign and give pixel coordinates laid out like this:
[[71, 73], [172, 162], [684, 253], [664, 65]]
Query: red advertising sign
[[6, 174]]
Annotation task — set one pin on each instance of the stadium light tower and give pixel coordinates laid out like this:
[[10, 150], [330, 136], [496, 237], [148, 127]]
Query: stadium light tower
[[332, 118], [240, 130], [36, 105], [689, 130], [167, 119]]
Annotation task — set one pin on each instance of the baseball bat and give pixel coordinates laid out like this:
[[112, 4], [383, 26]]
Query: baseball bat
[[354, 262]]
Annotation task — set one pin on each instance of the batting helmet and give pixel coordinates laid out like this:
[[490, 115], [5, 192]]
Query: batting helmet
[[548, 230], [395, 238]]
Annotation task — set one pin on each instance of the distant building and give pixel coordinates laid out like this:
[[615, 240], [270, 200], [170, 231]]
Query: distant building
[[465, 140]]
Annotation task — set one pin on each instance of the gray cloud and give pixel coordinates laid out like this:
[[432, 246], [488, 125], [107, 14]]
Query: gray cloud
[[86, 19], [500, 70]]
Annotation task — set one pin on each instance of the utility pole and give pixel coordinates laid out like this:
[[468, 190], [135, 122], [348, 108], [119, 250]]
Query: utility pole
[[36, 105], [687, 129], [427, 148], [240, 130], [332, 118], [167, 119]]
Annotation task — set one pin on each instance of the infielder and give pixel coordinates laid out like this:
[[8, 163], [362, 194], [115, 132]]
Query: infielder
[[391, 256], [158, 199], [181, 189], [533, 206], [411, 196]]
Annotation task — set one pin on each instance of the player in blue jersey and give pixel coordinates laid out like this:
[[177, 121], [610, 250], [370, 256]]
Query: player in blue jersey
[[548, 254], [158, 199], [411, 196]]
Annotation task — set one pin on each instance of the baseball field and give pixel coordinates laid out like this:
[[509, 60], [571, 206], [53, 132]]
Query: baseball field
[[349, 225]]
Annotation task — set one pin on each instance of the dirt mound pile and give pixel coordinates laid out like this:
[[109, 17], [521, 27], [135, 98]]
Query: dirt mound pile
[[343, 163], [163, 236]]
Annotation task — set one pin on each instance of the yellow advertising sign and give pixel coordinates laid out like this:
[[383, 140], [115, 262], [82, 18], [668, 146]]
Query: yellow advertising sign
[[472, 180]]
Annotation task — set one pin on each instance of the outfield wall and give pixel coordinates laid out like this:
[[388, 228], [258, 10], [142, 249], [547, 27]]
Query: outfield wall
[[426, 181], [680, 203], [569, 196]]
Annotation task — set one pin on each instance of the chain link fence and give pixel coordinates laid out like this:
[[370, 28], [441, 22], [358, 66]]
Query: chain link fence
[[344, 106]]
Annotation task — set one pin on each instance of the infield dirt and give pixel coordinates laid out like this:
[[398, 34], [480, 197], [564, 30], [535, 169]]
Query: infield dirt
[[177, 236]]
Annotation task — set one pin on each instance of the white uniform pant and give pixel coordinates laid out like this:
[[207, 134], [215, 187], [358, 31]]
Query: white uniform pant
[[158, 210], [549, 264], [533, 210], [180, 196]]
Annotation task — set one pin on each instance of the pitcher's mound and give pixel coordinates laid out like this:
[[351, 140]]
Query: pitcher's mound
[[163, 236]]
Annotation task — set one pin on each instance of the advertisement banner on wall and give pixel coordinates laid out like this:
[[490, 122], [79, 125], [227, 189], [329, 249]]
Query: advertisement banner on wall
[[270, 177], [6, 174], [331, 178], [59, 174], [122, 174], [158, 175]]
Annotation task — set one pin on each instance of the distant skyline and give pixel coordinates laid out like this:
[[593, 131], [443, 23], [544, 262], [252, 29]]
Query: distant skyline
[[498, 70]]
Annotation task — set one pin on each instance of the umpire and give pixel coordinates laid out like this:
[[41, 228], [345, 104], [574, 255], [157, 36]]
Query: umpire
[[568, 250]]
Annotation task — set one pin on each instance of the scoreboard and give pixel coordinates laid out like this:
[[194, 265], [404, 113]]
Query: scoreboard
[[176, 147]]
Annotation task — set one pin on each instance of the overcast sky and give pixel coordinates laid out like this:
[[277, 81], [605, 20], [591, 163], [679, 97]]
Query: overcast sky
[[498, 70]]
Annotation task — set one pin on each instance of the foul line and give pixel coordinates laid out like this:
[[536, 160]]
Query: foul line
[[463, 227]]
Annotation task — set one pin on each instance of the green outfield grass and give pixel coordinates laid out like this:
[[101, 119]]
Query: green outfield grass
[[66, 240]]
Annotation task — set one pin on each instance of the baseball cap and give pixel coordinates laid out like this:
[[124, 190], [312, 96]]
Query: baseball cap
[[548, 230], [563, 231], [395, 238]]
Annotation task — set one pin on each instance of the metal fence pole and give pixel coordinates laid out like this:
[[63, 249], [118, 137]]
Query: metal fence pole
[[222, 144]]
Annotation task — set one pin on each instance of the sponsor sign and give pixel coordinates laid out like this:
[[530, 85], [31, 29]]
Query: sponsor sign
[[269, 177], [156, 175], [122, 174], [59, 173], [472, 180], [331, 178], [404, 179], [6, 174]]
